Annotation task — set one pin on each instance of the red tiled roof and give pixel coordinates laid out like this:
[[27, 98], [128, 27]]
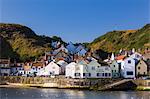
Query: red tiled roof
[[121, 57], [38, 64], [26, 68]]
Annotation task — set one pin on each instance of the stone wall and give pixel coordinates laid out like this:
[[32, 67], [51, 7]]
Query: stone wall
[[59, 81]]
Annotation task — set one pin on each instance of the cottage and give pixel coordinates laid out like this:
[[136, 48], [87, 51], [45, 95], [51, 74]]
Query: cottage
[[62, 65], [82, 52], [141, 68], [5, 67], [78, 70], [16, 68], [62, 48], [136, 56], [128, 68], [79, 48], [26, 70], [71, 70], [62, 55], [115, 68], [48, 56], [92, 68], [51, 69], [36, 67], [71, 48], [103, 72], [82, 70]]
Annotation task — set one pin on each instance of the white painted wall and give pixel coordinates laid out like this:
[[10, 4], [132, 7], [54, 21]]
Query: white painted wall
[[128, 67], [70, 70], [5, 71]]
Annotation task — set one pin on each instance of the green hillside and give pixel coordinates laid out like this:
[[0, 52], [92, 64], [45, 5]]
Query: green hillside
[[20, 42], [127, 39]]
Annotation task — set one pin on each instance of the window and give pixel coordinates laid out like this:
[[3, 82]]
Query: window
[[109, 74], [93, 68], [77, 74], [114, 65], [129, 73], [99, 74], [106, 74], [129, 61], [86, 74], [138, 67], [103, 74]]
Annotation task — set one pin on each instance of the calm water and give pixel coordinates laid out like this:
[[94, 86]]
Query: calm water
[[14, 93]]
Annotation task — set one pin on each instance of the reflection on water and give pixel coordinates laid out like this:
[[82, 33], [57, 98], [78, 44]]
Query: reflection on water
[[14, 93]]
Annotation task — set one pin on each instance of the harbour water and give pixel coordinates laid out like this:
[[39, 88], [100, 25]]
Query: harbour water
[[28, 93]]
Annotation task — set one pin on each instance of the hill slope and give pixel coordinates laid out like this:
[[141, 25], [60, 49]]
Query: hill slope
[[20, 42], [115, 40]]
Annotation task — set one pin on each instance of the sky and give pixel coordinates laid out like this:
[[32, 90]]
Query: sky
[[76, 20]]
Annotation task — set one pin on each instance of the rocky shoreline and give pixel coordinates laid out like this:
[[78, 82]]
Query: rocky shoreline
[[68, 83], [18, 85]]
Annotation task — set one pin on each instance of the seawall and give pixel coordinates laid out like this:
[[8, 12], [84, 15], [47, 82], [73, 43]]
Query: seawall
[[62, 82]]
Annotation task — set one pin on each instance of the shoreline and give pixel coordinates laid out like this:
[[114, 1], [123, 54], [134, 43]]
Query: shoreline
[[18, 85]]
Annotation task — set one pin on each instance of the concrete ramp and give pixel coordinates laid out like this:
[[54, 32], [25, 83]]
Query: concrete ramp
[[112, 85]]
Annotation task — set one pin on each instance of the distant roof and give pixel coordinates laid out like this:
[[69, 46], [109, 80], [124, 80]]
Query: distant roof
[[121, 57], [27, 68], [38, 64]]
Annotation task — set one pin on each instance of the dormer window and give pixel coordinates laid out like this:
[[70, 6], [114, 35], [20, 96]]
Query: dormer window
[[129, 61]]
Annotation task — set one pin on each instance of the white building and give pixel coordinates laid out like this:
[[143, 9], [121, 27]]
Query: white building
[[15, 70], [93, 67], [70, 70], [62, 65], [84, 70], [51, 69], [104, 72], [128, 68], [115, 68], [136, 56], [77, 70], [5, 67], [5, 71]]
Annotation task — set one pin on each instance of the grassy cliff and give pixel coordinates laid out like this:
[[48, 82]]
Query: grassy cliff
[[20, 42], [126, 39]]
